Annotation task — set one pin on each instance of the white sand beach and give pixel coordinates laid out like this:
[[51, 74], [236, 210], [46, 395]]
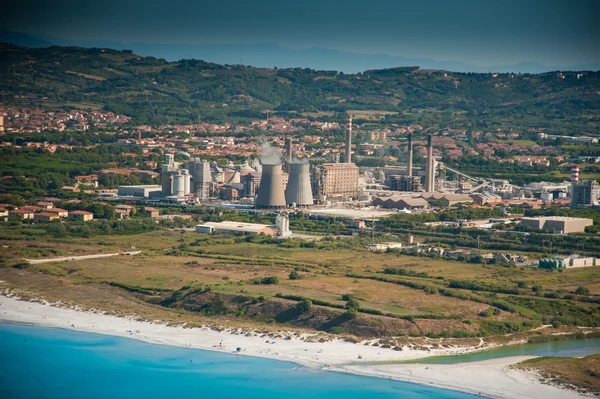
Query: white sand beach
[[491, 378]]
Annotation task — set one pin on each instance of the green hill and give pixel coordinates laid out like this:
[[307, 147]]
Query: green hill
[[156, 91]]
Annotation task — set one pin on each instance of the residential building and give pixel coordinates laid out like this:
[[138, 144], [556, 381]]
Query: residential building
[[81, 215], [152, 212], [45, 217], [21, 213]]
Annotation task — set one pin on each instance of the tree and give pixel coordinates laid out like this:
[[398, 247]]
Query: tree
[[304, 306], [352, 303]]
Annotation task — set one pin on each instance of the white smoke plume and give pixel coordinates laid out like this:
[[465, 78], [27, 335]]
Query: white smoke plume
[[299, 160], [268, 154]]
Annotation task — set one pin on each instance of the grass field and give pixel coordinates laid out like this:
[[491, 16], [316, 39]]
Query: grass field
[[173, 260], [579, 374]]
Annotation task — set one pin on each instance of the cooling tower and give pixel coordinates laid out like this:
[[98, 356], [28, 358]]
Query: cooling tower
[[298, 190], [409, 156], [270, 191]]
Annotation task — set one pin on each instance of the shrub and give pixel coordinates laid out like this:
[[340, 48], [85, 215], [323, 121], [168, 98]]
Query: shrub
[[582, 290], [352, 303], [294, 275], [304, 306]]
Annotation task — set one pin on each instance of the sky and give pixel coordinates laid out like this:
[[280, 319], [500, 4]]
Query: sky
[[480, 32]]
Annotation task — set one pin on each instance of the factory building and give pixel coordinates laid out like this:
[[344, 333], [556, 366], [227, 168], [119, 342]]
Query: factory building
[[405, 183], [145, 191], [335, 180], [584, 194], [559, 224], [237, 228], [250, 182]]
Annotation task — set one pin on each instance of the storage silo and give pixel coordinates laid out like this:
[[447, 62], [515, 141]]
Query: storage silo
[[298, 190], [166, 181], [186, 181], [178, 185], [270, 192]]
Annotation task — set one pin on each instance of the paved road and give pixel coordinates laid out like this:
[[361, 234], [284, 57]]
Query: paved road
[[81, 257]]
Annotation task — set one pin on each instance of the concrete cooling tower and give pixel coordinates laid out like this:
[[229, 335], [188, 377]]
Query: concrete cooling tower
[[298, 190], [270, 192]]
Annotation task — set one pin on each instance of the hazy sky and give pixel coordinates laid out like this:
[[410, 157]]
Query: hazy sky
[[482, 32]]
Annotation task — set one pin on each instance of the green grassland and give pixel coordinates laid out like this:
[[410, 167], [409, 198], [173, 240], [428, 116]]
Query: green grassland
[[220, 277]]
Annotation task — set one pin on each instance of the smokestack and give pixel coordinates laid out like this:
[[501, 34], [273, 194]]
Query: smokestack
[[270, 191], [429, 173], [409, 155], [349, 141], [288, 150], [298, 190], [575, 174], [574, 181]]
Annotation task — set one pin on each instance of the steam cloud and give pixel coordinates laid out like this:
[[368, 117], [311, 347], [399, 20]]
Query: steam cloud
[[268, 154]]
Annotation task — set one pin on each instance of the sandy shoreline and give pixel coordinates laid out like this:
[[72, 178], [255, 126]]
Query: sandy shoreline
[[491, 378]]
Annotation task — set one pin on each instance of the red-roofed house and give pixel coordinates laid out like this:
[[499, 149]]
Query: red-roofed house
[[21, 213], [81, 215], [45, 217]]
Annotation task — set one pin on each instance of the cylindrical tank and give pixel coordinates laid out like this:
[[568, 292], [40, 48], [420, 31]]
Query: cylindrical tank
[[186, 181], [270, 192], [178, 185], [298, 190], [547, 197]]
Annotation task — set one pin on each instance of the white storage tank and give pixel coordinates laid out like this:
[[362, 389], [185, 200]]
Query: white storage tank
[[178, 185], [186, 181]]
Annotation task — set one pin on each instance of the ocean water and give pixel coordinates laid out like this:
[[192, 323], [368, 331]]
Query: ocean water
[[574, 348], [37, 363]]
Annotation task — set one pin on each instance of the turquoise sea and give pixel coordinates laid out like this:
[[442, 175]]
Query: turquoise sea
[[37, 363]]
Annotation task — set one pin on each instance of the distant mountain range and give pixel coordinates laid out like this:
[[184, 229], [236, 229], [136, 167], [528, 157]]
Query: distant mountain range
[[271, 55]]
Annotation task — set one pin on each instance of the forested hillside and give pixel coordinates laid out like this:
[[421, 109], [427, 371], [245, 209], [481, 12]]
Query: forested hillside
[[155, 91]]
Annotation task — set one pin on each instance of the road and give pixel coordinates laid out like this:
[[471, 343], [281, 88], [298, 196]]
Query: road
[[80, 257]]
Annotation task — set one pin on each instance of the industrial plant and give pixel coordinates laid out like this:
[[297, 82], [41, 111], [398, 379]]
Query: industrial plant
[[277, 180]]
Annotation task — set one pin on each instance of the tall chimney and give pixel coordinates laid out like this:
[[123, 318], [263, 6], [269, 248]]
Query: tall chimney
[[429, 173], [289, 153], [574, 180], [409, 155], [349, 141]]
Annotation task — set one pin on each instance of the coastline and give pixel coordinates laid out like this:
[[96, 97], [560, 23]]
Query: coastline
[[492, 378]]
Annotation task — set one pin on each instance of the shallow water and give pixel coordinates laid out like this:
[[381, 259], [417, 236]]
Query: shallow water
[[574, 348], [38, 362]]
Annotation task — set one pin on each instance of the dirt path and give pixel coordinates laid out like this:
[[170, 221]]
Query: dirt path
[[81, 257]]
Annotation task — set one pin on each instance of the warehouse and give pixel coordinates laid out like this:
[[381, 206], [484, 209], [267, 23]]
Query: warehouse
[[229, 227], [558, 224], [144, 191]]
